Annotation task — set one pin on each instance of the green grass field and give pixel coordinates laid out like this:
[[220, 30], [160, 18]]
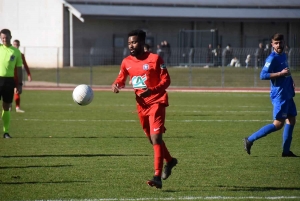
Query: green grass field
[[62, 151]]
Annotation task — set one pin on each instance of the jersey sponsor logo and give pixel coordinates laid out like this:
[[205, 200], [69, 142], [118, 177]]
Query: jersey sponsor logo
[[128, 68], [145, 66], [12, 58], [163, 66], [267, 64], [138, 82]]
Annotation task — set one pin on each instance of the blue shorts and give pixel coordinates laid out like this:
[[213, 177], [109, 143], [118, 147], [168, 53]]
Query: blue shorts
[[284, 109]]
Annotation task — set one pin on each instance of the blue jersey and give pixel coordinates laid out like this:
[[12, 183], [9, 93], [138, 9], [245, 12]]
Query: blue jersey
[[282, 88]]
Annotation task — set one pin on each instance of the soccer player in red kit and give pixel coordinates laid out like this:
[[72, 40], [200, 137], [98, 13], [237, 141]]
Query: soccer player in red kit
[[17, 98], [150, 79]]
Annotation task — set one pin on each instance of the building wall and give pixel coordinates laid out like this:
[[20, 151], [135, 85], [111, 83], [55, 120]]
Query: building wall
[[100, 33], [38, 26], [42, 26]]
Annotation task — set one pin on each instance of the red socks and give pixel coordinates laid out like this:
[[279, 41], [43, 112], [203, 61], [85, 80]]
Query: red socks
[[167, 155], [160, 153], [158, 159]]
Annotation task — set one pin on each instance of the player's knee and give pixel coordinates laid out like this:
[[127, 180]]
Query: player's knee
[[278, 124]]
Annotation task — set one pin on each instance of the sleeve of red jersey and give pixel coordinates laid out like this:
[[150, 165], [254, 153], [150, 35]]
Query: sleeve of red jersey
[[25, 65], [165, 79], [121, 79]]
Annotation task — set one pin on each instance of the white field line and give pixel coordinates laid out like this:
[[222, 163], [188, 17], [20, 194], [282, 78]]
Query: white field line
[[132, 120], [188, 198]]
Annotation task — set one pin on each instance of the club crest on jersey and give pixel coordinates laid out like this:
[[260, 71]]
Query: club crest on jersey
[[267, 64], [138, 82], [145, 67], [163, 66], [12, 57]]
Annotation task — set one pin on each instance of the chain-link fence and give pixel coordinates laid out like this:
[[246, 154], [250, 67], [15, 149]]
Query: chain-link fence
[[188, 67]]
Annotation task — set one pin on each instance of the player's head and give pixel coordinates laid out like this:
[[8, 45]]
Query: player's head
[[16, 43], [278, 42], [146, 48], [136, 42], [5, 37]]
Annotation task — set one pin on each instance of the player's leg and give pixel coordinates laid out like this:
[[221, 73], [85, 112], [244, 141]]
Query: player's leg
[[157, 128], [288, 129], [17, 98], [7, 95], [279, 118], [144, 120], [170, 161]]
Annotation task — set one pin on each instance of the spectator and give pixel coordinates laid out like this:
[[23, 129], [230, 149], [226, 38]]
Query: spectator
[[217, 55], [248, 60], [167, 52], [210, 54], [147, 48], [287, 51], [260, 55], [234, 62], [228, 54], [191, 54], [267, 51], [159, 51]]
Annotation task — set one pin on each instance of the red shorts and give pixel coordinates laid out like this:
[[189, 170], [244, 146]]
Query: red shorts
[[152, 119]]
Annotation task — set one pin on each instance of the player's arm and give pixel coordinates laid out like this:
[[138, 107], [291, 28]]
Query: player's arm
[[26, 68], [120, 80], [18, 73], [165, 79], [268, 69]]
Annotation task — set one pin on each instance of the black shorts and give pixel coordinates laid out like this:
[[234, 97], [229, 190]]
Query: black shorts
[[7, 89]]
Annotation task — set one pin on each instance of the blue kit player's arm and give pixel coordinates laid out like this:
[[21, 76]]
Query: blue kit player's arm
[[267, 70]]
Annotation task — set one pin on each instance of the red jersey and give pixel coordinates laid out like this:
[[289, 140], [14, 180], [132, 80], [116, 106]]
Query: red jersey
[[150, 72]]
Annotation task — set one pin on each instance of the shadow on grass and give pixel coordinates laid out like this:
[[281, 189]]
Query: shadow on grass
[[251, 188], [71, 155], [42, 182], [35, 166]]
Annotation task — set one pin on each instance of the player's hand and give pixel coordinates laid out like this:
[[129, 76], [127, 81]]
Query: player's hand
[[285, 72], [16, 91], [145, 93], [29, 78], [294, 85], [115, 88]]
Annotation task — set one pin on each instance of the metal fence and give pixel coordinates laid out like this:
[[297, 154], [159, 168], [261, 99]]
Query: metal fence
[[189, 67]]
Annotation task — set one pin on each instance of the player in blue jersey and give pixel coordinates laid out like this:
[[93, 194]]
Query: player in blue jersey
[[282, 92]]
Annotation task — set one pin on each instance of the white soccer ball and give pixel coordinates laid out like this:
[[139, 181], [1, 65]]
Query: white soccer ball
[[83, 94]]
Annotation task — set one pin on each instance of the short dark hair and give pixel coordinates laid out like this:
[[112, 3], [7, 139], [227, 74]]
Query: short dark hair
[[5, 31], [277, 36], [139, 33], [17, 41]]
